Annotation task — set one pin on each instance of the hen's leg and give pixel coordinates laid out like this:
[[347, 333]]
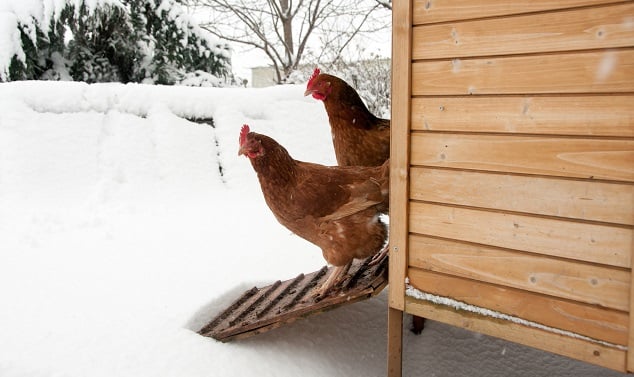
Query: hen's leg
[[378, 257], [338, 272]]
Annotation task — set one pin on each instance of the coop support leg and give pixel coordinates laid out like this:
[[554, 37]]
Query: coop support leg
[[418, 324], [394, 343]]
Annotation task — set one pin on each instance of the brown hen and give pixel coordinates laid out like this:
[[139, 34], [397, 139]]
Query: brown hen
[[359, 137], [336, 208]]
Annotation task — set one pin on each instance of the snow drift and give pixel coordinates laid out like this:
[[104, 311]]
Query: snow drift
[[124, 227]]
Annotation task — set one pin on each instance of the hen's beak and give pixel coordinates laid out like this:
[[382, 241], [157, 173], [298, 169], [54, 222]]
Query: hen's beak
[[309, 92], [242, 151]]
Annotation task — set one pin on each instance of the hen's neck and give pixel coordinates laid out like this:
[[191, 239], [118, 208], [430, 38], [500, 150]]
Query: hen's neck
[[276, 167], [348, 111]]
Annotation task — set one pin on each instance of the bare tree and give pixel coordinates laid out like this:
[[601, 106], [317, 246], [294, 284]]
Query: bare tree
[[285, 29], [387, 4]]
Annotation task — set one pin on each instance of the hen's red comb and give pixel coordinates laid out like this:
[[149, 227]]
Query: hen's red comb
[[316, 73], [243, 133]]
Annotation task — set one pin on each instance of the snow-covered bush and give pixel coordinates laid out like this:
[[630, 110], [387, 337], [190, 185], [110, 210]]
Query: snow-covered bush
[[372, 80], [370, 77], [151, 41]]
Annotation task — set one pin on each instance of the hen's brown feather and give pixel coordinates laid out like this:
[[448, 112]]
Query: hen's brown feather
[[335, 208], [359, 137]]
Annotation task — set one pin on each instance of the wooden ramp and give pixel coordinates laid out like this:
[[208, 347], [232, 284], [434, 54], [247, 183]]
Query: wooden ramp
[[261, 309]]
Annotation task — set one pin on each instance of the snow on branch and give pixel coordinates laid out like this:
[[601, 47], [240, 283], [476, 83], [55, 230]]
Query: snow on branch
[[31, 15], [150, 41]]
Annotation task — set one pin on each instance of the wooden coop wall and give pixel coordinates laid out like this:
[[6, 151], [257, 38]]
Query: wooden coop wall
[[513, 169]]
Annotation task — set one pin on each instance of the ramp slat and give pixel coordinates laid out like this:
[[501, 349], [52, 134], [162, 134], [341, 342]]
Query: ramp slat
[[262, 309]]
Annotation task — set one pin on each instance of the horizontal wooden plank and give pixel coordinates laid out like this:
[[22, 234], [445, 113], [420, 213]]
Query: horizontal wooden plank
[[576, 241], [588, 320], [554, 115], [430, 11], [587, 283], [566, 157], [609, 71], [606, 356], [578, 29], [584, 200]]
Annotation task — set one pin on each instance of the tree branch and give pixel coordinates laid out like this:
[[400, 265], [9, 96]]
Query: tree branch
[[284, 29]]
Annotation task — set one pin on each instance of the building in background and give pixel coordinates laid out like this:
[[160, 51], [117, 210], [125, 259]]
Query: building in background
[[263, 76]]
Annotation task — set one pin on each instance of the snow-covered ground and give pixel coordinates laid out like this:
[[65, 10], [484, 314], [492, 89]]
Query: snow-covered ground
[[125, 227]]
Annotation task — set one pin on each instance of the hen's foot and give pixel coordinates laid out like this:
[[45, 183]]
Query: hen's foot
[[378, 257], [335, 278]]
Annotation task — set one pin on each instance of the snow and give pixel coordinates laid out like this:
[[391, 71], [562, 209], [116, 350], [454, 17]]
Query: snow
[[119, 238], [30, 14], [462, 306]]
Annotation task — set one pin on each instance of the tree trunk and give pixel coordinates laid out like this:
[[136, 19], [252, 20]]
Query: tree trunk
[[287, 27]]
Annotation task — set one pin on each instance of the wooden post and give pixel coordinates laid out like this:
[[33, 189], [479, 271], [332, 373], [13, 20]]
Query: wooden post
[[399, 178], [395, 343], [399, 150], [630, 343]]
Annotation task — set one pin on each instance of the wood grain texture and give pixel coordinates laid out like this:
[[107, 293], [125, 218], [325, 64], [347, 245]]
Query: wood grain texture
[[555, 115], [431, 11], [588, 320], [399, 150], [578, 29], [566, 157], [395, 342], [583, 200], [582, 282], [609, 245], [630, 353], [598, 354], [590, 72], [521, 168]]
